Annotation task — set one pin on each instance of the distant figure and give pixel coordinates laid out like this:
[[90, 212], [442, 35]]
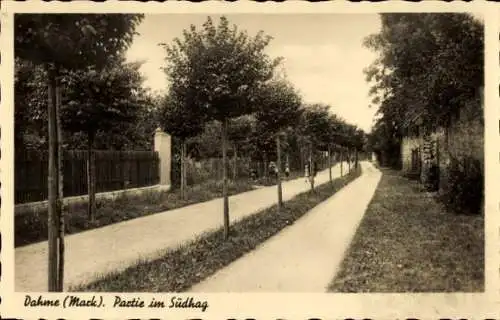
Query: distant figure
[[287, 170], [273, 169], [306, 171], [253, 174]]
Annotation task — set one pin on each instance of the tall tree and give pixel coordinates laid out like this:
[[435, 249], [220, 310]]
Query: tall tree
[[280, 108], [428, 66], [97, 100], [219, 69], [183, 121], [314, 127], [334, 129], [67, 41], [239, 130]]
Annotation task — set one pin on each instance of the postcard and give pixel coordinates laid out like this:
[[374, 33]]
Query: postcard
[[246, 160]]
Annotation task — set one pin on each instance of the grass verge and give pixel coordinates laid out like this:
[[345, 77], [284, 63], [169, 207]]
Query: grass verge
[[408, 242], [177, 270], [32, 227]]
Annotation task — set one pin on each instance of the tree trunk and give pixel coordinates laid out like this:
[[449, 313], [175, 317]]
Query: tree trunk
[[287, 161], [60, 176], [302, 161], [183, 170], [341, 163], [91, 177], [266, 166], [329, 164], [224, 179], [311, 169], [235, 163], [348, 160], [52, 179], [278, 164], [356, 159]]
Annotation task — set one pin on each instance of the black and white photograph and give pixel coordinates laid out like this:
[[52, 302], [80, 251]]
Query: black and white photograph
[[198, 153]]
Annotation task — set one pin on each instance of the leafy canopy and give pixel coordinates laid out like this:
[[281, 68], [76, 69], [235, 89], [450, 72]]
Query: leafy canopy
[[99, 100], [218, 70], [279, 107], [429, 65], [73, 41], [315, 125], [179, 120]]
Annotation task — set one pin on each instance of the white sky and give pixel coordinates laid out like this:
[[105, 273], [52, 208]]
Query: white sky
[[323, 54]]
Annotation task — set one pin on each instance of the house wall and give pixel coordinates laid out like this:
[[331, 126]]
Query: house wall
[[407, 145], [462, 143], [431, 159]]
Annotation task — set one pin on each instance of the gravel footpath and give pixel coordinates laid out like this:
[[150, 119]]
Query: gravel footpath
[[118, 246], [305, 256]]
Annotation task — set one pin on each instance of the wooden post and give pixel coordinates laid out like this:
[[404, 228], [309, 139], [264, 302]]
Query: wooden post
[[224, 178], [52, 179], [92, 208], [341, 162], [183, 169], [311, 168], [60, 176]]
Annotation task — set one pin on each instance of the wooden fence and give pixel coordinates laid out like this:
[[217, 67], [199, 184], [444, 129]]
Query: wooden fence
[[211, 169], [115, 170]]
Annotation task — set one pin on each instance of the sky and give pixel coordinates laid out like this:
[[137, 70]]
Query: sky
[[323, 54]]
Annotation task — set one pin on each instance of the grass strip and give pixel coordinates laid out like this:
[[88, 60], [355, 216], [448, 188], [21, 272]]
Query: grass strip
[[32, 227], [179, 269], [408, 242]]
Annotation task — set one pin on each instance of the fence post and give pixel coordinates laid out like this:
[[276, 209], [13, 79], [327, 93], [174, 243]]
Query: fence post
[[163, 145]]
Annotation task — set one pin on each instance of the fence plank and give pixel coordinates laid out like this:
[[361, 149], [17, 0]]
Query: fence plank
[[115, 170]]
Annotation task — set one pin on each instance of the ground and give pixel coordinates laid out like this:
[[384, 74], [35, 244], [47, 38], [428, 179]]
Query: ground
[[407, 242]]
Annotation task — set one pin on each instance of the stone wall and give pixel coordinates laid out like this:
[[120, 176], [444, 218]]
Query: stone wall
[[463, 142]]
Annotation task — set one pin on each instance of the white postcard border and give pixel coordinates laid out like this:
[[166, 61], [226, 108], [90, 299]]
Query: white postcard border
[[269, 305]]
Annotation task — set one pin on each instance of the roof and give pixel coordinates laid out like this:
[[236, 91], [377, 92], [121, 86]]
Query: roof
[[412, 117]]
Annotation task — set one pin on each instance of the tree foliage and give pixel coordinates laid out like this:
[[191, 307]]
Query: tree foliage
[[279, 107], [315, 126], [103, 100], [110, 103], [219, 69], [30, 110], [179, 120], [429, 65], [73, 41]]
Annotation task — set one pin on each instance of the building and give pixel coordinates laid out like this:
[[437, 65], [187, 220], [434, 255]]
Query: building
[[428, 154]]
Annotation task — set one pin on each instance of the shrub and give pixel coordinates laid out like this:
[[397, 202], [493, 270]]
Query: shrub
[[464, 192]]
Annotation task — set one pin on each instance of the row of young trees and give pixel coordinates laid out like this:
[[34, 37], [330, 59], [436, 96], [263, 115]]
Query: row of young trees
[[219, 73], [74, 89]]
